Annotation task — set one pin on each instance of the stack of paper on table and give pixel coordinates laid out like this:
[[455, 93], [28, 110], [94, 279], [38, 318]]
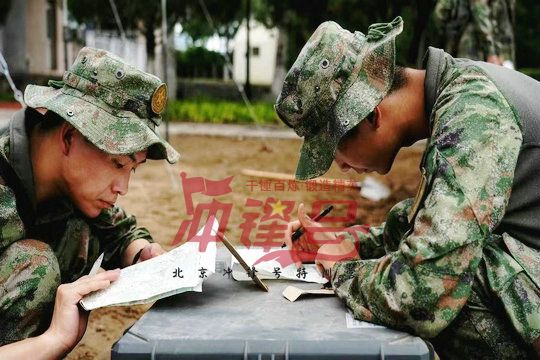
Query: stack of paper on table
[[274, 264], [181, 269]]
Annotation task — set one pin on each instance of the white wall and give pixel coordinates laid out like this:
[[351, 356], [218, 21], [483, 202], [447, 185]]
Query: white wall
[[14, 38], [263, 65], [38, 45], [133, 51]]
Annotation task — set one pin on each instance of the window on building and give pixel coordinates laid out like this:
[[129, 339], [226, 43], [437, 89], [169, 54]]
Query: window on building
[[255, 51]]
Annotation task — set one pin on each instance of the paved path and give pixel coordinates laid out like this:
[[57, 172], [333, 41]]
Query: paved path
[[5, 115]]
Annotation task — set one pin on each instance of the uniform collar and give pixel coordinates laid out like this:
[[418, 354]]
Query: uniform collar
[[19, 149], [434, 65], [21, 126]]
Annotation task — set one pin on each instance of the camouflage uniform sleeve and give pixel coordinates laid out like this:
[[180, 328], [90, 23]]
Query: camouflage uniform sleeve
[[481, 17], [11, 225], [375, 241], [116, 230], [368, 240], [422, 286]]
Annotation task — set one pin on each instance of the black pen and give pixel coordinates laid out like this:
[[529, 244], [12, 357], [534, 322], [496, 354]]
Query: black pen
[[300, 231]]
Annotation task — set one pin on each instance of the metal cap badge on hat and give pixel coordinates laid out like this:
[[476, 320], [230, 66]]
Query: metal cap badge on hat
[[114, 105], [336, 81]]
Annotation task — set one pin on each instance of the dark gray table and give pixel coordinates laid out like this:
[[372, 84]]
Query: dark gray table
[[236, 320]]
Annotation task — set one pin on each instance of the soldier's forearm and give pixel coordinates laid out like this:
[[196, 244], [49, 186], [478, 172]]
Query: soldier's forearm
[[41, 347]]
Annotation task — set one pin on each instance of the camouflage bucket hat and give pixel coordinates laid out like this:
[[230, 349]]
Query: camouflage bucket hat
[[114, 105], [336, 81]]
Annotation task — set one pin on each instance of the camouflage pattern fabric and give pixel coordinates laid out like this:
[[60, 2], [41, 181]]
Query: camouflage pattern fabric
[[334, 68], [75, 240], [29, 276], [444, 274], [111, 103], [476, 29]]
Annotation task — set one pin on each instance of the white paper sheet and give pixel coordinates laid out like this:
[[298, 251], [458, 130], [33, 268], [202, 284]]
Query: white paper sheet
[[279, 266], [373, 189], [181, 269], [353, 323]]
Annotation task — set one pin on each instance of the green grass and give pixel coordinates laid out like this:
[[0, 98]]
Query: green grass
[[221, 112]]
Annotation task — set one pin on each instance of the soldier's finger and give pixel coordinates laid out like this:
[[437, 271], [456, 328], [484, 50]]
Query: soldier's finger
[[157, 250], [320, 268], [146, 253], [91, 286], [82, 278], [96, 282], [109, 274], [323, 271], [304, 219], [291, 227], [306, 222]]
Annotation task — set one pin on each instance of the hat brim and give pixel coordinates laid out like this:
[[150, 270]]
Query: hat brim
[[115, 132], [316, 155]]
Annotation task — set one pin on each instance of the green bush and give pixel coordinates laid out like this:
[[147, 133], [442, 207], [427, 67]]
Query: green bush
[[7, 97], [221, 112], [199, 62]]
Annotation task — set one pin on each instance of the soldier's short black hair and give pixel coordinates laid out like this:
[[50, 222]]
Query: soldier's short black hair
[[400, 79], [47, 122]]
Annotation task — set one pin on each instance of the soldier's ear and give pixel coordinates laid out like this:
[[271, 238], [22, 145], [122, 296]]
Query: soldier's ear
[[67, 132], [374, 117]]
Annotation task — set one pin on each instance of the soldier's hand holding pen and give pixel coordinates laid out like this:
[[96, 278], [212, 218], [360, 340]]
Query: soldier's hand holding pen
[[317, 244]]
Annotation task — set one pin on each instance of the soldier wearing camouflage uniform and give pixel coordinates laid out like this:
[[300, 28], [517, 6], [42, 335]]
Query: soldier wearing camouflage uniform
[[478, 29], [459, 264], [51, 238]]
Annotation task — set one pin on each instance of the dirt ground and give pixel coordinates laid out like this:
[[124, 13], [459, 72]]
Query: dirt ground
[[155, 197]]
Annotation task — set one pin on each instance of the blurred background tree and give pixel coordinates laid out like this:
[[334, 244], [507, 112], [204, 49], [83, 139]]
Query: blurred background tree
[[527, 33], [199, 62], [298, 19], [141, 15], [4, 8]]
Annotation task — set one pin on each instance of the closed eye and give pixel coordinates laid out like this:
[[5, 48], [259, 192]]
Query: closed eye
[[118, 164]]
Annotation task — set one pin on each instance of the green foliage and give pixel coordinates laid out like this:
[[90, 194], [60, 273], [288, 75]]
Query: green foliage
[[199, 62], [226, 18], [7, 96], [141, 15], [145, 16], [4, 9], [299, 18], [532, 72], [527, 33], [220, 112]]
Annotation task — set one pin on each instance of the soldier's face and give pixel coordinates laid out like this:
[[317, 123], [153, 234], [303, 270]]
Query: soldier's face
[[94, 179], [373, 147]]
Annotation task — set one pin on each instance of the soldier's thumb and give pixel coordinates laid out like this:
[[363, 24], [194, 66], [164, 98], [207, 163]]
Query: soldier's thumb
[[305, 220]]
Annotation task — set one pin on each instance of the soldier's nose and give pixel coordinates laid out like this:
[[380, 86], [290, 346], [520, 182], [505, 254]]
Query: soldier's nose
[[120, 185]]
